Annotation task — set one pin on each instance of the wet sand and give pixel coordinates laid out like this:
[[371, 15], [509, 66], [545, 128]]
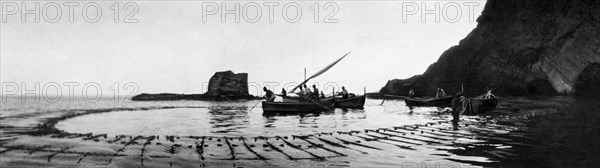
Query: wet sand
[[516, 134]]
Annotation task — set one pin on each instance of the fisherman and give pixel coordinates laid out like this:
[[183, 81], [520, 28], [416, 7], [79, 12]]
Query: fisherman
[[456, 108], [301, 92], [322, 95], [307, 92], [443, 92], [315, 91], [344, 93], [411, 93], [489, 95], [269, 95], [283, 92], [440, 93]]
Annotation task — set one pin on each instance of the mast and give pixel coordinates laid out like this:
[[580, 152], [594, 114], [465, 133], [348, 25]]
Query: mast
[[304, 73]]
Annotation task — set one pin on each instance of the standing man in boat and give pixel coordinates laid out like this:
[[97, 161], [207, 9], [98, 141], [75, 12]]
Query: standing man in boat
[[315, 92], [269, 95]]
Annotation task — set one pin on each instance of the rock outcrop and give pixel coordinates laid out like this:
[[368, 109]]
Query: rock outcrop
[[519, 47], [228, 83], [224, 85]]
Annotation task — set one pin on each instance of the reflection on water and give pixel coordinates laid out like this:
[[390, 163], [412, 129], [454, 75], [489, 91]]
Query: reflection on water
[[225, 119]]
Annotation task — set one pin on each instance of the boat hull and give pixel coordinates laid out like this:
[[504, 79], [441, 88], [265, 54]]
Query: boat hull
[[290, 99], [437, 102], [298, 107], [480, 105], [353, 102]]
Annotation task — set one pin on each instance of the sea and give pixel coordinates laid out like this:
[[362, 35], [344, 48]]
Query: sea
[[429, 139]]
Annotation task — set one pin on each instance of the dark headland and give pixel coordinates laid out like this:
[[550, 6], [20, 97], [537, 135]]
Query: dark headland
[[536, 48], [519, 48], [224, 85]]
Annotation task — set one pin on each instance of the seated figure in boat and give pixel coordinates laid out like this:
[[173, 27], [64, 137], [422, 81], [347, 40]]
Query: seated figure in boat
[[489, 95], [307, 92], [301, 92], [344, 93], [283, 92], [411, 93], [315, 91], [440, 93], [322, 95], [269, 95]]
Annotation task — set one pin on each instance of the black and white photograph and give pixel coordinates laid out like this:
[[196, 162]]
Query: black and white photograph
[[299, 83]]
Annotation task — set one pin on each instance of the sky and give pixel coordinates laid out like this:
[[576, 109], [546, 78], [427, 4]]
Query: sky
[[175, 47]]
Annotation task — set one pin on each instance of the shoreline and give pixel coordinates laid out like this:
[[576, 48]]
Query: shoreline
[[201, 97]]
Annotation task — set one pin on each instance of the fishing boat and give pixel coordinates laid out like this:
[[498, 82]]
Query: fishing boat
[[430, 102], [300, 104], [298, 107], [351, 102], [480, 104]]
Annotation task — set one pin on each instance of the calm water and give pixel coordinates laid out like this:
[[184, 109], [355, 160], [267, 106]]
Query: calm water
[[201, 118], [236, 119], [213, 118]]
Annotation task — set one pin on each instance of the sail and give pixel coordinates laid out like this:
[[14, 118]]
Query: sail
[[320, 72]]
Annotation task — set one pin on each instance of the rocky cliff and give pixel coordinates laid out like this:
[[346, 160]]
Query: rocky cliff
[[519, 47]]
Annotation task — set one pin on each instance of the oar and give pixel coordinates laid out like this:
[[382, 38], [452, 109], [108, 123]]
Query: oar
[[382, 102], [255, 105]]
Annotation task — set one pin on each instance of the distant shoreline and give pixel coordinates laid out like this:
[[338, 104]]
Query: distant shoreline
[[176, 97]]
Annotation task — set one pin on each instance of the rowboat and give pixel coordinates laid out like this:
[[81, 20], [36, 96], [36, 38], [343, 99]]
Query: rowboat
[[352, 102], [432, 102], [479, 105], [298, 107]]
